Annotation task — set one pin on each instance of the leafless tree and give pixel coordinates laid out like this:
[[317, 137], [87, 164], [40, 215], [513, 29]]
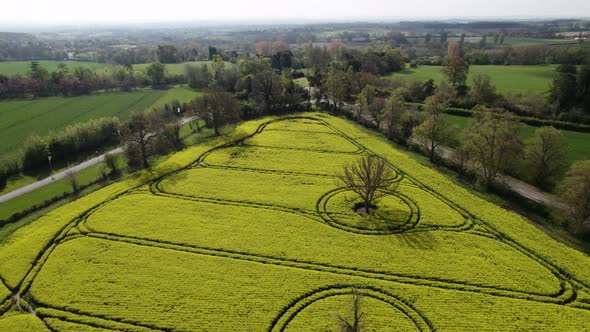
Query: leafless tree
[[357, 315], [369, 177]]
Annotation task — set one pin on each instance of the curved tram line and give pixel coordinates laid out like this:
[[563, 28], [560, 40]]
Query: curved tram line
[[566, 295]]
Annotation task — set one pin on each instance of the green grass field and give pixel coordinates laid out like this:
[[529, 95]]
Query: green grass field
[[22, 67], [507, 79], [20, 119], [183, 94], [259, 236], [578, 142]]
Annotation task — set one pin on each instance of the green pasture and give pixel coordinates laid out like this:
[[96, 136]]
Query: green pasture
[[507, 79], [20, 119], [578, 142], [22, 67]]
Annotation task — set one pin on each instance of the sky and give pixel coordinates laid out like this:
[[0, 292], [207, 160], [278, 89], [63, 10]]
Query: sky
[[137, 11]]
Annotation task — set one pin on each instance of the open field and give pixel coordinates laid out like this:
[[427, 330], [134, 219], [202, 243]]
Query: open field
[[183, 94], [22, 67], [259, 236], [508, 79], [20, 119], [578, 142]]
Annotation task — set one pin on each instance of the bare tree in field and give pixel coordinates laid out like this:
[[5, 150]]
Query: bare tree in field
[[357, 316], [369, 178]]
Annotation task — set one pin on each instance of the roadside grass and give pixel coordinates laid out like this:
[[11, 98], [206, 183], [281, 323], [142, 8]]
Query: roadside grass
[[56, 188]]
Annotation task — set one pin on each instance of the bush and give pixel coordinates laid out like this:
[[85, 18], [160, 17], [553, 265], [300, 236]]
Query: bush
[[110, 160], [35, 153]]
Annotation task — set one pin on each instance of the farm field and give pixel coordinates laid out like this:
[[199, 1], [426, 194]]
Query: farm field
[[10, 68], [252, 232], [507, 79], [19, 119], [22, 67], [578, 142], [180, 93], [177, 68]]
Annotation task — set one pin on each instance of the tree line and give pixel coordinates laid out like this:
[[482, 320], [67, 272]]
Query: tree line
[[39, 82]]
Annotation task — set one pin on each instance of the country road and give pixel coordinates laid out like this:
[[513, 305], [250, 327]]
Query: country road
[[74, 169]]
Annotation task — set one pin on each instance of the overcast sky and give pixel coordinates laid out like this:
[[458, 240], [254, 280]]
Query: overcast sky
[[121, 11]]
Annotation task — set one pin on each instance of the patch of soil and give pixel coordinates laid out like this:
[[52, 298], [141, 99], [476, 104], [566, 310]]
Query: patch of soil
[[360, 209]]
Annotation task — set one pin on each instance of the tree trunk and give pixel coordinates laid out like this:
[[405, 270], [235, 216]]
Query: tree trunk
[[144, 154], [432, 154], [217, 133]]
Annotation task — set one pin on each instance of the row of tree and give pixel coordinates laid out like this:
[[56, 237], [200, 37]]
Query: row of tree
[[39, 82], [492, 144]]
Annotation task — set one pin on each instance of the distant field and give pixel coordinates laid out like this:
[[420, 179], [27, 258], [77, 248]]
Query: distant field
[[513, 41], [22, 67], [182, 94], [19, 119], [178, 68], [578, 143], [524, 42], [508, 79]]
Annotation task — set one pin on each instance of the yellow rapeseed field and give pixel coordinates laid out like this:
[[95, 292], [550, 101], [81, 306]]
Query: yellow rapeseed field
[[253, 232]]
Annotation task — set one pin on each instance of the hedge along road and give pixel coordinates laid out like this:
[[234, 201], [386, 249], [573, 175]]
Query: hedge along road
[[72, 170]]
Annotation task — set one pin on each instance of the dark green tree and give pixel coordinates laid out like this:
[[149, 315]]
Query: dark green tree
[[157, 74]]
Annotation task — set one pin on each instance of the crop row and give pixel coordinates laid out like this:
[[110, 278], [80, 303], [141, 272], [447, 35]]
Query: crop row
[[144, 239], [284, 319], [133, 264], [296, 238]]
